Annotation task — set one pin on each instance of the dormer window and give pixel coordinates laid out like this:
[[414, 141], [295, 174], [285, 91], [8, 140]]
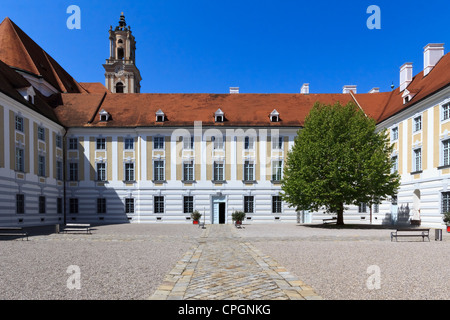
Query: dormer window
[[219, 116], [274, 116], [104, 116], [407, 96], [160, 116], [28, 93]]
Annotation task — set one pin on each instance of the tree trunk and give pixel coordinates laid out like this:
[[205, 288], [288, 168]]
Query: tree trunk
[[340, 215]]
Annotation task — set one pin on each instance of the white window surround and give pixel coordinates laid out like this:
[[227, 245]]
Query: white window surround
[[444, 111], [417, 160], [160, 116], [394, 133], [274, 116], [219, 116], [104, 115], [417, 121]]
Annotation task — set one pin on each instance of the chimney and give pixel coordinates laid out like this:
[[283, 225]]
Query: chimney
[[349, 88], [432, 53], [234, 90], [374, 90], [406, 74], [305, 88]]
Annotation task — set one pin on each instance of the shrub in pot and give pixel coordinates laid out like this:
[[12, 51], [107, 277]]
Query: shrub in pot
[[238, 216], [196, 216]]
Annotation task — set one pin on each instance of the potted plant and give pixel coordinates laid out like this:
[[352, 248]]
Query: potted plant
[[447, 220], [196, 216], [238, 217]]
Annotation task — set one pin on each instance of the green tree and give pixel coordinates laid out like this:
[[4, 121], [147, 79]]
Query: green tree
[[338, 159]]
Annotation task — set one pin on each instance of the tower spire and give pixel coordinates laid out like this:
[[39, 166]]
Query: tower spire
[[122, 75]]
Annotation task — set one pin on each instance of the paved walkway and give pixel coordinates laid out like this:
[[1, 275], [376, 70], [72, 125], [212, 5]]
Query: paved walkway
[[223, 266]]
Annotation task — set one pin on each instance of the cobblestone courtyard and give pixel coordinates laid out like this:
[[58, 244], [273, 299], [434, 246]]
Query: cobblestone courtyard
[[262, 262]]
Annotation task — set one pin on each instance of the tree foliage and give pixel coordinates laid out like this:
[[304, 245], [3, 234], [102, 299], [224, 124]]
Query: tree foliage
[[338, 159]]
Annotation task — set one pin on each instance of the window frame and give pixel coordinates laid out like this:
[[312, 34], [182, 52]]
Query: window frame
[[188, 204], [219, 171], [100, 144], [249, 204], [417, 124], [275, 172], [42, 204], [417, 165], [101, 205], [129, 172], [277, 204], [20, 203], [73, 171], [74, 206], [129, 206], [159, 172], [19, 123], [127, 145], [249, 170], [20, 160], [101, 172], [188, 166], [158, 143], [158, 204]]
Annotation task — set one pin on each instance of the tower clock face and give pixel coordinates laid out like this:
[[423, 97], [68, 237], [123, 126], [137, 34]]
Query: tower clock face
[[119, 70]]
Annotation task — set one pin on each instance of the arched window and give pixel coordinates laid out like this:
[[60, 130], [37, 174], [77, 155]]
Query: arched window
[[120, 53], [119, 87]]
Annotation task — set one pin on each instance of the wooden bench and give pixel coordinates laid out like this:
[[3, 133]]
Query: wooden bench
[[13, 232], [77, 227], [411, 232], [329, 220]]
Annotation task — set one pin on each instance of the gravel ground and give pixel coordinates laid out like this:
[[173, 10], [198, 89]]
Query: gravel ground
[[120, 262], [126, 262], [340, 263]]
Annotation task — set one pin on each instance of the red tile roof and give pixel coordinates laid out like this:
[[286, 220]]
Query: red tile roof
[[139, 110], [18, 50], [382, 106]]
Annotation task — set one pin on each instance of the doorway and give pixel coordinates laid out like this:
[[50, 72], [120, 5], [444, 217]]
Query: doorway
[[222, 213], [219, 209]]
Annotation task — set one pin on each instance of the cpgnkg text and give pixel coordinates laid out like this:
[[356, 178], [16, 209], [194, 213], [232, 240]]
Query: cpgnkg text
[[226, 309]]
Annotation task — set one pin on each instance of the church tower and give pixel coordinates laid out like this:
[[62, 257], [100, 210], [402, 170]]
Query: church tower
[[121, 73]]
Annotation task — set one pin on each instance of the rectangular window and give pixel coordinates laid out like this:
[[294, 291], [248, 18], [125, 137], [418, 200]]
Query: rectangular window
[[277, 143], [73, 205], [376, 208], [101, 171], [129, 144], [20, 160], [218, 171], [188, 143], [59, 170], [395, 134], [58, 141], [217, 143], [19, 124], [101, 205], [248, 204], [159, 204], [446, 152], [41, 133], [73, 143], [158, 170], [129, 205], [362, 208], [276, 204], [445, 202], [41, 166], [417, 161], [41, 204], [249, 169], [394, 164], [417, 123], [248, 143], [129, 171], [446, 111], [188, 204], [101, 144], [73, 171], [20, 203], [277, 170], [188, 171], [59, 205], [158, 143]]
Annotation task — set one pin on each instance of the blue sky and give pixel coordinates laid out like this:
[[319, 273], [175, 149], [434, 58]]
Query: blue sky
[[207, 46]]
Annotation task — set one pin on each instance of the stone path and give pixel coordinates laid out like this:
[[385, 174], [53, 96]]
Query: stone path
[[222, 266]]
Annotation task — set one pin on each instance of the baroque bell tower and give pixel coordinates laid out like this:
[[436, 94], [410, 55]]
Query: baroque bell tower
[[121, 73]]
